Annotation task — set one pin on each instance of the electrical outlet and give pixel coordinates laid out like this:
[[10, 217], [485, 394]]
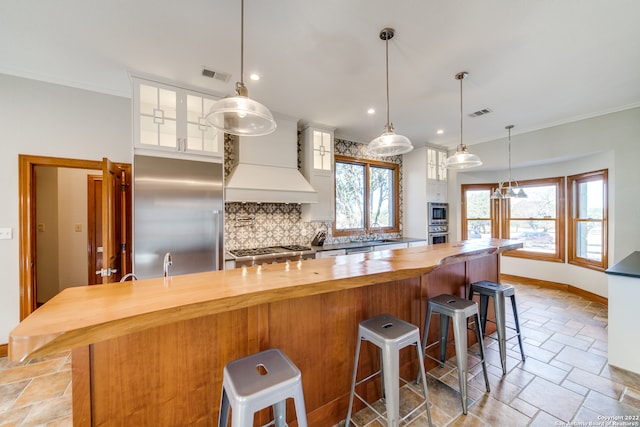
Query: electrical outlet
[[6, 233], [41, 228], [78, 227]]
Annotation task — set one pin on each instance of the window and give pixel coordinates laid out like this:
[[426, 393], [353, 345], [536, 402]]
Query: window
[[588, 219], [478, 219], [538, 220], [367, 196]]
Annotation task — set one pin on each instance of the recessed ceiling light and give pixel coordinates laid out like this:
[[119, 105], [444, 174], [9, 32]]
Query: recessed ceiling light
[[439, 131], [254, 76], [371, 111]]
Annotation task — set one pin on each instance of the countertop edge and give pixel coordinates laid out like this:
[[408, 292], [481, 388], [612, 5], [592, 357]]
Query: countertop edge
[[25, 342]]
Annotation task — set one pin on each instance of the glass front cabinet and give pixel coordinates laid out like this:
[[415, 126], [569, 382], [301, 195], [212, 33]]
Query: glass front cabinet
[[317, 167], [172, 119]]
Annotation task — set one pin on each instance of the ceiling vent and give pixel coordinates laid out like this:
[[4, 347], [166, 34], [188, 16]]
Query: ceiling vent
[[218, 75], [480, 112]]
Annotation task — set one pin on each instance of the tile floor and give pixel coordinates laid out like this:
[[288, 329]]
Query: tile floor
[[565, 379]]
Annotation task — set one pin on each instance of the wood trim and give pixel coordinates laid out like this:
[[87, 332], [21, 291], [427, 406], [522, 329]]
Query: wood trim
[[492, 209], [556, 285], [395, 168], [27, 223], [4, 350]]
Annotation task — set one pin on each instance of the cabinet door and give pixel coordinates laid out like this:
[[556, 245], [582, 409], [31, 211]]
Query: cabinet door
[[155, 116], [201, 138], [173, 120]]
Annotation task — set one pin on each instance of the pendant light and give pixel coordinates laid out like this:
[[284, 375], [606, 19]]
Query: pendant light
[[241, 115], [509, 191], [389, 143], [462, 159]]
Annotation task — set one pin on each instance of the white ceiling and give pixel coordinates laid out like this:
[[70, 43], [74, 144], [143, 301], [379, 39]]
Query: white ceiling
[[534, 63]]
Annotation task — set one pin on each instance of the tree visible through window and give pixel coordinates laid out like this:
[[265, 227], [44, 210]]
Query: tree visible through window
[[537, 220], [366, 196]]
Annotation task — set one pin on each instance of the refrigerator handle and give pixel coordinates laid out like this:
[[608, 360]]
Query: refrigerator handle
[[218, 233]]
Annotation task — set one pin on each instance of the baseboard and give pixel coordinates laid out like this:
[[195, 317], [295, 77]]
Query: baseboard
[[4, 350], [555, 285]]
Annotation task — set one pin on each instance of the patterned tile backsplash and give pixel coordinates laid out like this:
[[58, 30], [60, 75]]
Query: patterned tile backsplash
[[254, 225]]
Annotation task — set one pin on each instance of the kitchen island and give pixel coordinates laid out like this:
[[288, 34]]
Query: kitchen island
[[151, 352]]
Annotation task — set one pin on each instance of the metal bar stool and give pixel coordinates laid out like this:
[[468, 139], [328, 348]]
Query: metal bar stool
[[390, 335], [256, 382], [498, 292], [459, 310]]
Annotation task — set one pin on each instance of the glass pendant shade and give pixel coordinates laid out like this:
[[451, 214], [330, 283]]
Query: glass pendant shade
[[462, 159], [389, 144], [241, 115]]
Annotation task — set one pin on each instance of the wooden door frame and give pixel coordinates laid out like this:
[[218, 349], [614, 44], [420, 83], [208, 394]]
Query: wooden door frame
[[27, 219]]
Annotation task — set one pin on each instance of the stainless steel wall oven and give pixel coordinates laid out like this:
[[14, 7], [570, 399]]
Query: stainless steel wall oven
[[438, 227]]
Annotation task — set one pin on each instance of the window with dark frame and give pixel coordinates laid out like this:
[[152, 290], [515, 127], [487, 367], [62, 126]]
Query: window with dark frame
[[367, 196]]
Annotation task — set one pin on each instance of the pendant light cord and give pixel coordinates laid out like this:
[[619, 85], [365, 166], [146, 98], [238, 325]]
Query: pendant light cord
[[461, 112], [386, 42], [242, 42]]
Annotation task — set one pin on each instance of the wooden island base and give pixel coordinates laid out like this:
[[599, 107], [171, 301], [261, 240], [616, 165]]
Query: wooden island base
[[171, 375]]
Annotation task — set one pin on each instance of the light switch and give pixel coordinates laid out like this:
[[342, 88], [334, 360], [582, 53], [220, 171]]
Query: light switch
[[78, 227], [6, 233], [41, 228]]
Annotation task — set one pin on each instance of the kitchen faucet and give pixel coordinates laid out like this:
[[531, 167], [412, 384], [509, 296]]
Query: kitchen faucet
[[165, 265]]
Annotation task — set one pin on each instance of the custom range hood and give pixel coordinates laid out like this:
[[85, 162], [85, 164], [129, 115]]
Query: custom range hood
[[266, 169]]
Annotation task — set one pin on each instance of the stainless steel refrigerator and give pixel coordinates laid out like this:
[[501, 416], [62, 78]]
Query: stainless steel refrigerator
[[178, 209]]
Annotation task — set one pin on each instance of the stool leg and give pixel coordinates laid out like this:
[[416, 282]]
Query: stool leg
[[301, 411], [240, 416], [280, 414], [484, 363], [425, 334], [484, 307], [422, 374], [223, 416], [498, 305], [444, 336], [515, 317], [391, 374], [353, 382], [460, 338], [384, 395]]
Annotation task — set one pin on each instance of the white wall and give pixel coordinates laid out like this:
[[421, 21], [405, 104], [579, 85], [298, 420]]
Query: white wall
[[72, 210], [610, 141], [49, 120]]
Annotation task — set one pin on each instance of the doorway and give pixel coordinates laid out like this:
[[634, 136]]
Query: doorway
[[110, 217]]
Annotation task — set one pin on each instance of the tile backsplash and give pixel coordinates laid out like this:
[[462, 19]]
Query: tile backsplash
[[253, 225]]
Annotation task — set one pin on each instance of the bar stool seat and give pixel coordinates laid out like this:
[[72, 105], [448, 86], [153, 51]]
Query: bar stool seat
[[256, 382], [390, 335], [498, 292], [459, 310]]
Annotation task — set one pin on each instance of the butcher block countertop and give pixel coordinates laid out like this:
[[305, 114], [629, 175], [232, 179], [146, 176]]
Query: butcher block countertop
[[88, 314]]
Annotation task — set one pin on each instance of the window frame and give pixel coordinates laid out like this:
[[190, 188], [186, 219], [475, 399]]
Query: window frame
[[395, 167], [493, 209], [572, 182], [559, 255]]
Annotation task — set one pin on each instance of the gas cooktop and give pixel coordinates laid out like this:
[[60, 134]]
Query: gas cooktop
[[271, 250]]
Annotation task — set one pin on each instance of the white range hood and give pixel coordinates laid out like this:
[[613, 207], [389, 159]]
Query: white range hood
[[266, 169]]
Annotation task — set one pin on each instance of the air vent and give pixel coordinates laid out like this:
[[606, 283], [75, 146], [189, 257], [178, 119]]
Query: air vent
[[480, 112], [218, 75]]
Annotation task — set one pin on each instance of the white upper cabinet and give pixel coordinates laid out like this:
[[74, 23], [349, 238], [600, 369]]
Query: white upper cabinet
[[317, 167], [435, 164], [172, 120]]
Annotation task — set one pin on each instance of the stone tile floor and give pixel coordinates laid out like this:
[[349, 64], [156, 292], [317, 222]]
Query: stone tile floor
[[564, 381]]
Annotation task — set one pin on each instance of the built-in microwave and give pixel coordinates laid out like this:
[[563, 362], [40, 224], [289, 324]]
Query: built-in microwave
[[438, 213]]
